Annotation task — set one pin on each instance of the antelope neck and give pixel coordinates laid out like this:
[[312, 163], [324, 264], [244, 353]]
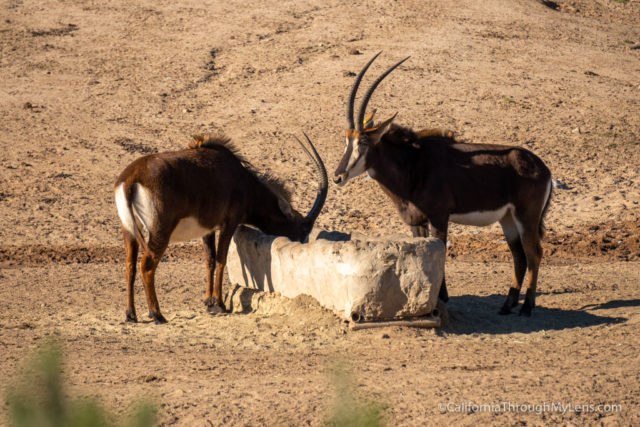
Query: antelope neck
[[393, 170]]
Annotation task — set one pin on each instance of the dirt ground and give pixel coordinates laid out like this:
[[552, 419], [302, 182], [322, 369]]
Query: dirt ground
[[86, 87]]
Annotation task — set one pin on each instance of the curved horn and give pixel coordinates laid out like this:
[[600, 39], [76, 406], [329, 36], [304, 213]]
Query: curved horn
[[367, 96], [354, 89], [323, 181]]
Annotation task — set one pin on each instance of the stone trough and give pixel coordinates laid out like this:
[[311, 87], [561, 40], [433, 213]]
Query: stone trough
[[360, 278]]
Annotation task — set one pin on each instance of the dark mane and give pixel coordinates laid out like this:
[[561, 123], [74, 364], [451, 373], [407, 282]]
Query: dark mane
[[211, 141], [405, 136], [275, 184], [214, 141]]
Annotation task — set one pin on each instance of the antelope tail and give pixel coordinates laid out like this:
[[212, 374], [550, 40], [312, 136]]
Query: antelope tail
[[127, 213]]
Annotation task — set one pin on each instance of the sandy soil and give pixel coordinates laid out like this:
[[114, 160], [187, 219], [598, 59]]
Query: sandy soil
[[86, 87]]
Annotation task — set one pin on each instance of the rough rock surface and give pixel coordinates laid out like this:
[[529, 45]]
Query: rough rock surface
[[357, 276]]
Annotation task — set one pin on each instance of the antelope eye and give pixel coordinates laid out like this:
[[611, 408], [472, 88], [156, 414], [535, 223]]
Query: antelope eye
[[362, 146]]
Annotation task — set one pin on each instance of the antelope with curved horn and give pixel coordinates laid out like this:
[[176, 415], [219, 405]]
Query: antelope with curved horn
[[196, 193], [432, 179]]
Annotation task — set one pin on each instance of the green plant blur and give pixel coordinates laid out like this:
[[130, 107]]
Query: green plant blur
[[38, 399], [349, 410]]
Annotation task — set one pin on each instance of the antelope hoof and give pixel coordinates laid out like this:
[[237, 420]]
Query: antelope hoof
[[131, 316], [443, 295], [158, 318], [506, 309], [215, 306], [526, 310]]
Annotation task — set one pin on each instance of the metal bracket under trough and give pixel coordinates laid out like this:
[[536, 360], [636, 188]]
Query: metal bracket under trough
[[431, 321]]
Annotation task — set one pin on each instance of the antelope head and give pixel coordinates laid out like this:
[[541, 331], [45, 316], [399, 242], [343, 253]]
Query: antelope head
[[294, 225], [363, 133]]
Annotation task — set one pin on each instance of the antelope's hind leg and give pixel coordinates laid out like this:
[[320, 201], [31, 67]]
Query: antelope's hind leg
[[131, 246], [533, 252], [514, 241], [148, 266]]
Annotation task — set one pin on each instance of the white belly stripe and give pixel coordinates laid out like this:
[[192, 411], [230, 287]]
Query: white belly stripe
[[481, 218], [188, 229]]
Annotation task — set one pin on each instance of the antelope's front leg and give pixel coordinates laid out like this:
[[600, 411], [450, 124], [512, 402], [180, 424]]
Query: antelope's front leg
[[439, 227], [420, 231], [215, 304], [209, 244]]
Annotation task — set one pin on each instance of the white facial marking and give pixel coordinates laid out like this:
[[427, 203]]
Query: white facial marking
[[285, 207], [355, 166], [188, 229], [123, 210], [482, 218], [357, 169]]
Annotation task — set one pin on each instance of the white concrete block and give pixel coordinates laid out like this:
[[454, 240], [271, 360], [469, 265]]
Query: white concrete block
[[356, 276]]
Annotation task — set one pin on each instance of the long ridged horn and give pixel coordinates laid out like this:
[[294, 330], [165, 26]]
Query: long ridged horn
[[323, 181], [354, 89], [367, 96]]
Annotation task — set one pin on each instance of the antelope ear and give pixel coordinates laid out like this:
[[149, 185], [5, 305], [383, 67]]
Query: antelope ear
[[375, 134], [368, 120], [285, 207]]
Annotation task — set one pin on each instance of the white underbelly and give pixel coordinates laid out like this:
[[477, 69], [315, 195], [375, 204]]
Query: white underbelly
[[188, 229], [481, 218]]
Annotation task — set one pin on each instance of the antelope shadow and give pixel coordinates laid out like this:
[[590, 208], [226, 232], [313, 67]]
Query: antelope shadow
[[470, 314]]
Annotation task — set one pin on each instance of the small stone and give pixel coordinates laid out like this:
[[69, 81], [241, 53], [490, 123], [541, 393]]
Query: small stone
[[385, 336], [354, 52], [559, 184]]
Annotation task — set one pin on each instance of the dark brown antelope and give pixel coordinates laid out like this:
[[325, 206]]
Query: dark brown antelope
[[433, 179], [196, 192]]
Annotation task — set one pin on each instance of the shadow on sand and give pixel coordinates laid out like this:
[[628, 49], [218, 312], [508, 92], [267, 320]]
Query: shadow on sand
[[470, 314]]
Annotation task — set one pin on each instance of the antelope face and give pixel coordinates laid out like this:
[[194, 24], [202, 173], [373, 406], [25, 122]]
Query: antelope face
[[362, 134], [353, 161], [291, 224], [359, 143]]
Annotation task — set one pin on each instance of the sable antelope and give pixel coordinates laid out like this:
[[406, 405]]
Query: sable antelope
[[196, 192], [433, 179]]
